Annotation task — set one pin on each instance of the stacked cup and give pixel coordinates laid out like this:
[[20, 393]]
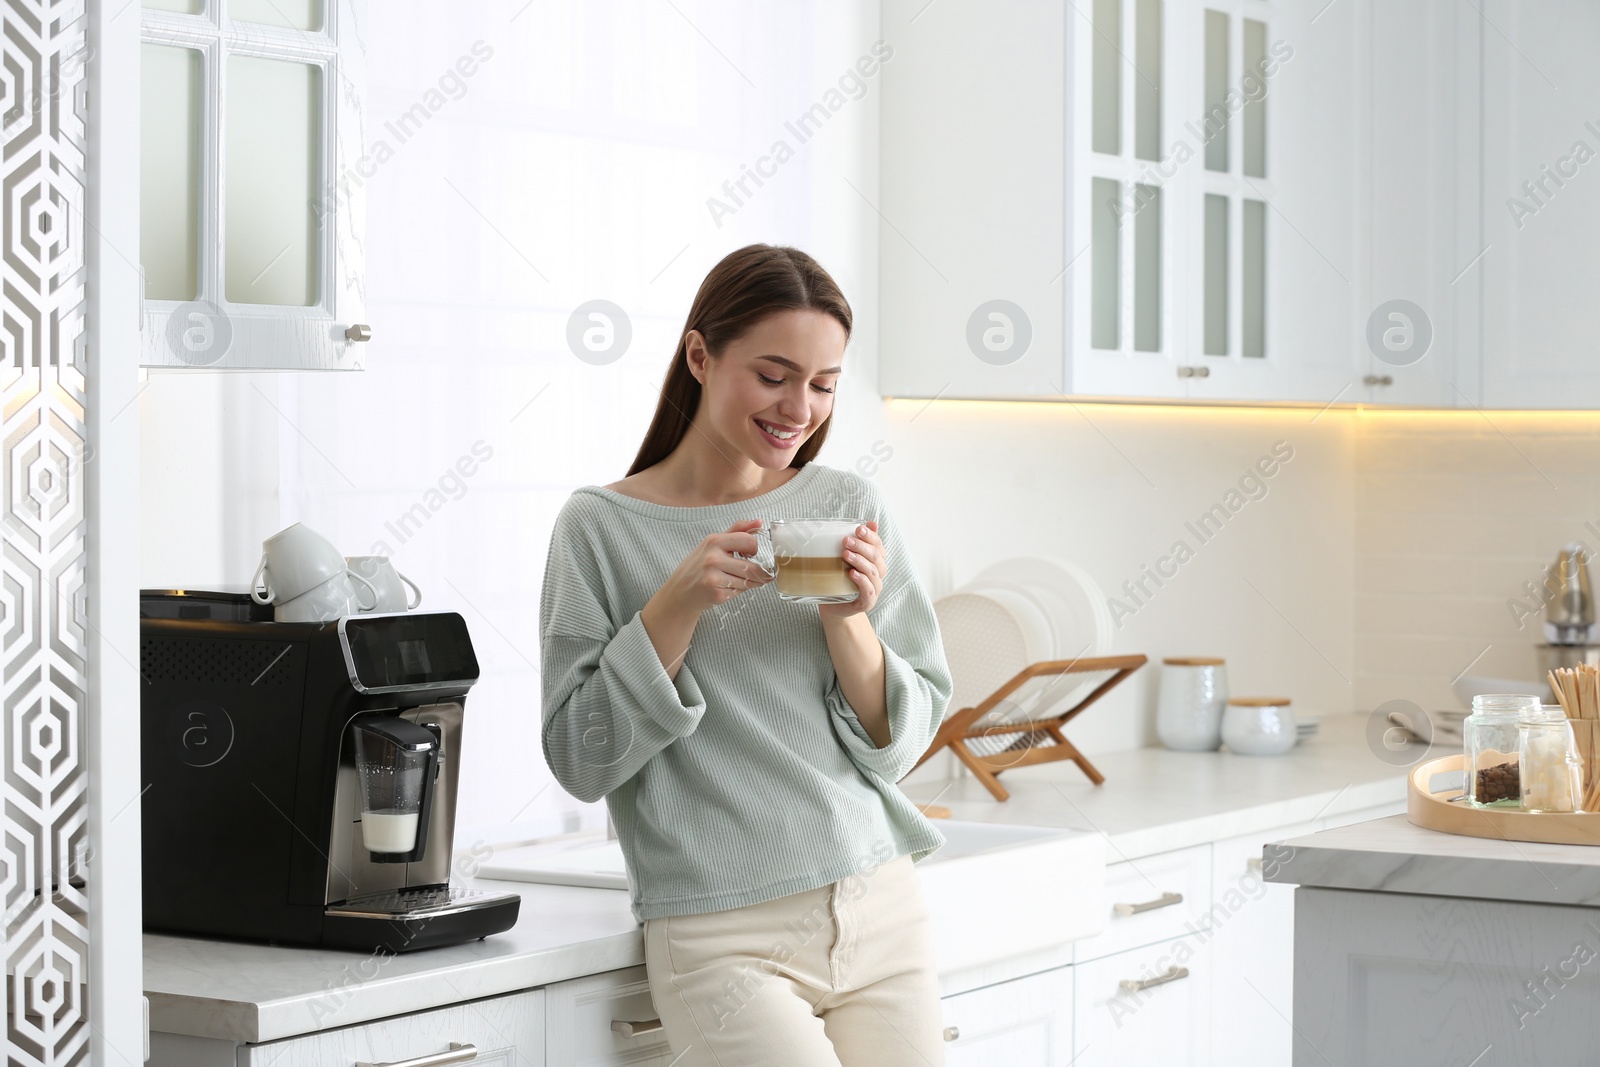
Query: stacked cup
[[305, 577], [389, 583]]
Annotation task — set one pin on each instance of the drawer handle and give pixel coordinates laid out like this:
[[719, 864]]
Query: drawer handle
[[1129, 985], [458, 1053], [1165, 900], [952, 1032], [639, 1028], [1378, 379]]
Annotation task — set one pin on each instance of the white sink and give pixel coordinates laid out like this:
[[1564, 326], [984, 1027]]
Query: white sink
[[994, 890]]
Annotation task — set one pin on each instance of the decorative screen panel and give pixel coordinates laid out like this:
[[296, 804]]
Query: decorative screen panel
[[43, 604]]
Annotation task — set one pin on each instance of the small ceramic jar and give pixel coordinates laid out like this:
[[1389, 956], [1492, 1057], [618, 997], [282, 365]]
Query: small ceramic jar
[[1259, 726], [1194, 690]]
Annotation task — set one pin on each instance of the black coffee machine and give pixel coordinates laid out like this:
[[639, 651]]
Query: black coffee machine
[[301, 777]]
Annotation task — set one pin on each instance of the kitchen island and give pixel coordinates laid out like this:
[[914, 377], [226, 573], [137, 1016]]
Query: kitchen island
[[1175, 825], [1417, 947]]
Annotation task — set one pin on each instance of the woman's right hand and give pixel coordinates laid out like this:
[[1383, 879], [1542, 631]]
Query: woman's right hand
[[708, 576], [712, 574]]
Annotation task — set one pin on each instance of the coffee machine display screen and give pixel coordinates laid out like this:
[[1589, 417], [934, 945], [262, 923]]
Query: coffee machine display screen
[[410, 651]]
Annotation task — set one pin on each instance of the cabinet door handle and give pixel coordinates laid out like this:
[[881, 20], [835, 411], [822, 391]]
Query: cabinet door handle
[[952, 1032], [359, 332], [629, 1028], [1194, 372], [458, 1053], [1165, 900], [1253, 864], [1378, 379], [1130, 985]]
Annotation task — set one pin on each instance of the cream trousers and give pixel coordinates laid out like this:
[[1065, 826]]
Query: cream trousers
[[838, 976]]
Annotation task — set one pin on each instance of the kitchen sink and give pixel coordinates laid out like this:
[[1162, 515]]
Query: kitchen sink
[[994, 890]]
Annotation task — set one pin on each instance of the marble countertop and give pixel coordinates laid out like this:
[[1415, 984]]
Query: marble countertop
[[1391, 855], [1153, 800]]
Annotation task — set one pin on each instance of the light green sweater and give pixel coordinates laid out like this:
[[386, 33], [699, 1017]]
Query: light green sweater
[[747, 776]]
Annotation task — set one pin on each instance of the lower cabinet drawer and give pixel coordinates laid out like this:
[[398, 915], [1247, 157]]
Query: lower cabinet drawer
[[1150, 1005], [1151, 899], [1026, 1022], [505, 1031], [603, 1020]]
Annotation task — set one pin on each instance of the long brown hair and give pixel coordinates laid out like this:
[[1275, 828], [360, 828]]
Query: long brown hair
[[746, 285]]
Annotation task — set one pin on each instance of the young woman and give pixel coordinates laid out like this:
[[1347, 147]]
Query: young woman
[[747, 746]]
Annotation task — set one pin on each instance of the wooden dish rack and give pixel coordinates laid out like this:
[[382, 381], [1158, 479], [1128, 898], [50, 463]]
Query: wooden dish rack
[[1041, 739], [1446, 812]]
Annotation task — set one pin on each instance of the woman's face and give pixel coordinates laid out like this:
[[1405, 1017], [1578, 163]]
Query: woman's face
[[779, 376]]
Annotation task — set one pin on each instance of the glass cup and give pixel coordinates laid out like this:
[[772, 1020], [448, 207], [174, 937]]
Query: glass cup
[[808, 555]]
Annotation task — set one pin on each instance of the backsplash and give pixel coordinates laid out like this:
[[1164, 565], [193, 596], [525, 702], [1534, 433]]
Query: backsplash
[[1458, 515]]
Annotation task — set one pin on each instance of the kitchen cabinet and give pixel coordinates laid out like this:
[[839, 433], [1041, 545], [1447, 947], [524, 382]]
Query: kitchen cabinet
[[1252, 928], [1026, 1022], [506, 1031], [1152, 899], [603, 1020], [252, 177], [1145, 1005], [1540, 206], [1394, 212], [1252, 962], [1059, 218], [1416, 191]]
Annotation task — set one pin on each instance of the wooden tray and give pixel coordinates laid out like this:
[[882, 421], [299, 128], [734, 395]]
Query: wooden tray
[[1435, 811]]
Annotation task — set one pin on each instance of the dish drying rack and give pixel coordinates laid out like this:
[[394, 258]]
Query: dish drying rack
[[1005, 729]]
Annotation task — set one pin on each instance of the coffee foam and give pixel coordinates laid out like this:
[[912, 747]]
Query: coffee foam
[[811, 538]]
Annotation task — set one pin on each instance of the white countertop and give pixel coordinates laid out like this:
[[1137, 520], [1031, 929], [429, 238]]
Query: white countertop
[[1153, 800], [1393, 856]]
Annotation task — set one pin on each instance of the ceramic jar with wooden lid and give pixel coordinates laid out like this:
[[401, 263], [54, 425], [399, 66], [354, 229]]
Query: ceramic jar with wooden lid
[[1259, 726], [1189, 706]]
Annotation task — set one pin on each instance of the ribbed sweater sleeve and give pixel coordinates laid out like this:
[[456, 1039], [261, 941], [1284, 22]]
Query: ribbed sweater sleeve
[[917, 682], [609, 704]]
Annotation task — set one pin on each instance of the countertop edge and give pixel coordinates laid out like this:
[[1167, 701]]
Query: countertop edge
[[378, 999], [1520, 873]]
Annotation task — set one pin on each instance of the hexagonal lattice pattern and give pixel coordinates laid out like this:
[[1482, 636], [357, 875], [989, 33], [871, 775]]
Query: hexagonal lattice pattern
[[43, 604]]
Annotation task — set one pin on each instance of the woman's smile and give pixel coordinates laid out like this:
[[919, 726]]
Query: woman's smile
[[785, 443]]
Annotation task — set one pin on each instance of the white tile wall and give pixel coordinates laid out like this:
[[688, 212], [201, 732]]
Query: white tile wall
[[1454, 513]]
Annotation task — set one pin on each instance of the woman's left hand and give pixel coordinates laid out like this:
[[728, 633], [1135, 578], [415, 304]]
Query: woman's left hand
[[867, 563]]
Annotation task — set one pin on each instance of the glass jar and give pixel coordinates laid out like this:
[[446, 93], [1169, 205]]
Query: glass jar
[[1492, 746], [1550, 771]]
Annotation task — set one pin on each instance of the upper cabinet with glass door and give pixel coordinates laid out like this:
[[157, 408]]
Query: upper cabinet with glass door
[[1178, 226], [251, 218]]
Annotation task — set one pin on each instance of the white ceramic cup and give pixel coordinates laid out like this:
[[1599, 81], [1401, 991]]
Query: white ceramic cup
[[1255, 726], [294, 560], [390, 585], [1194, 690], [334, 598]]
